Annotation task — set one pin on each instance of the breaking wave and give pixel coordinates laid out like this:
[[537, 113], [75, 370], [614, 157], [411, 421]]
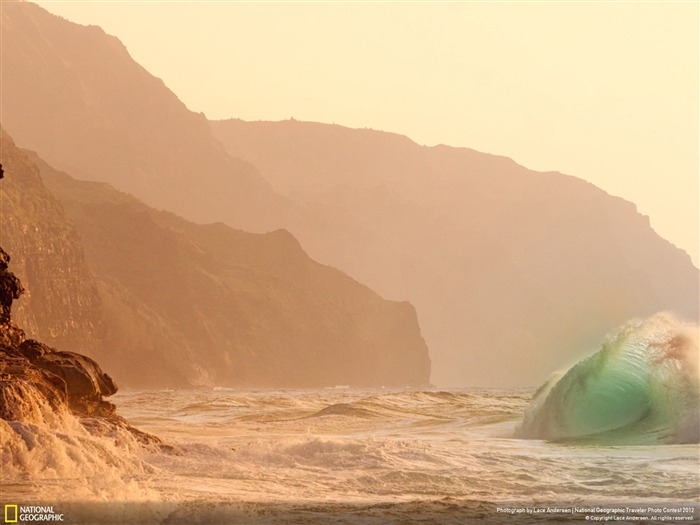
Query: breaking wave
[[56, 449], [641, 387]]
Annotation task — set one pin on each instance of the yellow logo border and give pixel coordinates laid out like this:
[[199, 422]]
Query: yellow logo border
[[8, 520]]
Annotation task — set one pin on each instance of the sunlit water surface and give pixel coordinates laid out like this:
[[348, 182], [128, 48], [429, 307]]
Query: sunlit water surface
[[339, 456]]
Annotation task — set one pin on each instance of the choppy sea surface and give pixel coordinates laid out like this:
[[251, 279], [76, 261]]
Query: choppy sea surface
[[341, 455]]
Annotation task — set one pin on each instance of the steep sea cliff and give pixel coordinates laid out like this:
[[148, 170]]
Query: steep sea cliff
[[163, 302]]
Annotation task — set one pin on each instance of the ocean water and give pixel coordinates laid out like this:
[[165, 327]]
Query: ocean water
[[340, 456], [376, 456]]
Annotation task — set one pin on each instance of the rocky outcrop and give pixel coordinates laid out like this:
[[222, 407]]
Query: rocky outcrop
[[10, 289], [62, 379]]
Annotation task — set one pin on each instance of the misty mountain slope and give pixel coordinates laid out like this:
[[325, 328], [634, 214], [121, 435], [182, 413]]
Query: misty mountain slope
[[193, 304], [74, 94], [185, 309], [61, 305], [513, 272]]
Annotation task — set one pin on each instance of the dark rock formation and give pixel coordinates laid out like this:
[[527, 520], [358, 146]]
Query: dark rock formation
[[85, 382], [32, 373], [10, 289], [60, 378]]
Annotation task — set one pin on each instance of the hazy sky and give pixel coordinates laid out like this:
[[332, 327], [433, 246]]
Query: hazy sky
[[606, 91]]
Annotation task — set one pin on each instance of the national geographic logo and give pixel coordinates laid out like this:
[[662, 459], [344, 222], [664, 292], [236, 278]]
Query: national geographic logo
[[11, 513], [30, 514]]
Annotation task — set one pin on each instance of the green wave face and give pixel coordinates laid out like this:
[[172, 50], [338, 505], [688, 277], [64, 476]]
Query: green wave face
[[641, 387], [600, 396]]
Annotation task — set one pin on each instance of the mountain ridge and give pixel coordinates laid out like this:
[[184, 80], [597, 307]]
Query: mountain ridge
[[501, 246], [513, 272], [175, 304], [86, 124]]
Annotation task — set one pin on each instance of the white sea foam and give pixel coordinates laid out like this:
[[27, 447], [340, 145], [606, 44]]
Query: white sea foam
[[57, 453]]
